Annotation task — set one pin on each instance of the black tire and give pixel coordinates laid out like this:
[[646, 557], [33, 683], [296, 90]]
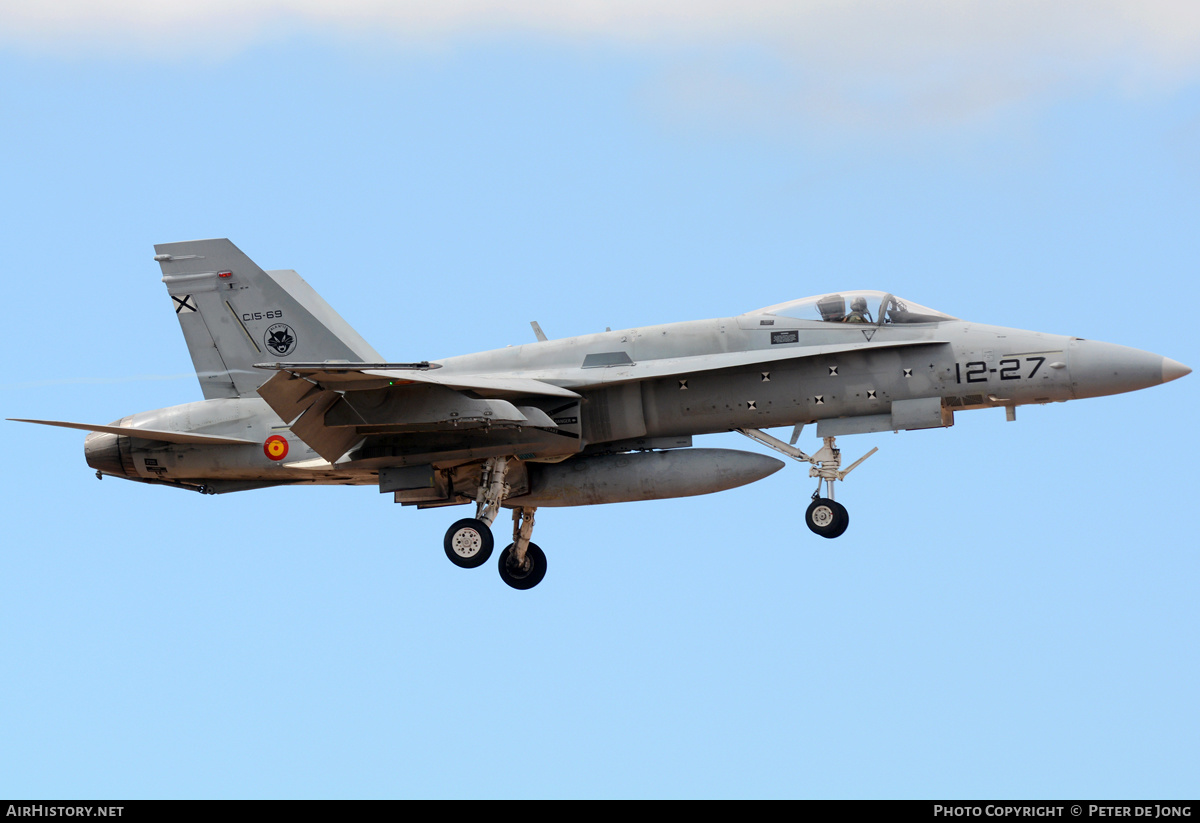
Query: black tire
[[531, 575], [827, 518], [468, 543]]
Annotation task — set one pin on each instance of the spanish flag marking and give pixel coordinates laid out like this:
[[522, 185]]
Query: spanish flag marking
[[276, 447]]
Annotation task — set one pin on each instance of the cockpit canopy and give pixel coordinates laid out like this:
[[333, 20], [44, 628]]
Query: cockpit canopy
[[870, 307]]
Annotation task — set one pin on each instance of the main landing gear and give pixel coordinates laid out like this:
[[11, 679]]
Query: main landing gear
[[469, 542], [825, 516]]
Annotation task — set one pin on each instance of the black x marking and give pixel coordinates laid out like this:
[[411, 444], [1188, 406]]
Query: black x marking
[[184, 302]]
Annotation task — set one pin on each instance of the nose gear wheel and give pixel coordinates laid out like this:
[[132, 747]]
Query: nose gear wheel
[[826, 517]]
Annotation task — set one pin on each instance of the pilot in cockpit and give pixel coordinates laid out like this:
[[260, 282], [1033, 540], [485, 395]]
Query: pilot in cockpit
[[833, 309]]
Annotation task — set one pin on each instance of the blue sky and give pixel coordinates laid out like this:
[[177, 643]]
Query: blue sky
[[1012, 612]]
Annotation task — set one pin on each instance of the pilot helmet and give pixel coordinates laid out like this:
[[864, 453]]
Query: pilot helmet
[[858, 304]]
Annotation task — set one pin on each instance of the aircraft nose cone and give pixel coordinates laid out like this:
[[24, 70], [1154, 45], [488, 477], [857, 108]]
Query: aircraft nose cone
[[1099, 368], [1173, 370]]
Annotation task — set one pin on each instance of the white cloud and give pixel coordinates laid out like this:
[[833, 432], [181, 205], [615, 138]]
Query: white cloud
[[876, 31], [846, 59]]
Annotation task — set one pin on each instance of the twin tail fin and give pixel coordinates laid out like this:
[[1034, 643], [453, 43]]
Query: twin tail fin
[[234, 315]]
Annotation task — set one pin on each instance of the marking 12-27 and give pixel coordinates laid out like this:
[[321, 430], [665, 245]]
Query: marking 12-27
[[1010, 368]]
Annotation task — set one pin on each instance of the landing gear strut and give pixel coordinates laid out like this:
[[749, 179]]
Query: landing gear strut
[[824, 516], [522, 564], [469, 542]]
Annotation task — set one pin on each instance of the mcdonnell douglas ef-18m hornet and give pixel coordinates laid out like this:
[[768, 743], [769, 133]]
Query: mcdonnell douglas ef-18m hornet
[[293, 395]]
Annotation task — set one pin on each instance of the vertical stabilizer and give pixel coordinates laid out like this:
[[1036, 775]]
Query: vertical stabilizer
[[233, 315]]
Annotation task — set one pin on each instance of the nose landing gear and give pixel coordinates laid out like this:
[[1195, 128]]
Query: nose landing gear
[[824, 516], [827, 517]]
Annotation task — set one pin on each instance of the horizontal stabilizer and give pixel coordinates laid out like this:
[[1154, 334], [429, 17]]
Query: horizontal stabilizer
[[149, 434]]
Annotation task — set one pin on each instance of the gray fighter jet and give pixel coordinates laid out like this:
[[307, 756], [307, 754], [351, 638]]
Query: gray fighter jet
[[293, 395]]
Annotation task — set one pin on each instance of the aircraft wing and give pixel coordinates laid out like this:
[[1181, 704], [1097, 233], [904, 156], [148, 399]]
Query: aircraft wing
[[149, 434], [332, 406]]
